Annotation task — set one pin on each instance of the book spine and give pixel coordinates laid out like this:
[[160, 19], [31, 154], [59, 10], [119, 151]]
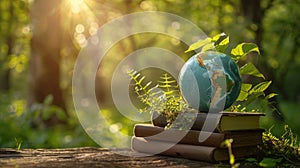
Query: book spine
[[178, 136], [245, 138], [214, 122], [203, 153]]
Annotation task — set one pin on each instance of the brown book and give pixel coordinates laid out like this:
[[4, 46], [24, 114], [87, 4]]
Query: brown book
[[218, 122], [203, 153], [240, 138]]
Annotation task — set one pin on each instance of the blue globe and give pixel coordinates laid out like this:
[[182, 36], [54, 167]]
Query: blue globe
[[210, 81]]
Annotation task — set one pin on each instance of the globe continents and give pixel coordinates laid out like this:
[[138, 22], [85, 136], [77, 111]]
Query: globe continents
[[210, 81]]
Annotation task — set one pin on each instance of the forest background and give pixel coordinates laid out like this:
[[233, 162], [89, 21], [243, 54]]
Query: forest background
[[40, 40]]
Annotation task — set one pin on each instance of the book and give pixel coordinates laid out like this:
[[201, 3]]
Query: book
[[217, 122], [240, 138], [203, 153]]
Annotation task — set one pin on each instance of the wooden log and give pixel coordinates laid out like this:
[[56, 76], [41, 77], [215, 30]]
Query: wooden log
[[88, 157]]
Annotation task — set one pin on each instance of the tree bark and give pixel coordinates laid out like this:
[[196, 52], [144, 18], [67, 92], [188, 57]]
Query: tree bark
[[46, 45]]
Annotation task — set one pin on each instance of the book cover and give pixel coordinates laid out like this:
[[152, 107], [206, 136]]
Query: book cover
[[203, 153], [240, 138]]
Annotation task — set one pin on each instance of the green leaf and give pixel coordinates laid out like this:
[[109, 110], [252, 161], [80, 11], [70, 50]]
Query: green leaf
[[250, 69], [246, 87], [269, 96], [264, 104], [252, 97], [244, 92], [242, 96], [243, 49], [207, 47], [218, 37], [269, 162], [259, 88], [199, 44], [221, 42], [222, 46]]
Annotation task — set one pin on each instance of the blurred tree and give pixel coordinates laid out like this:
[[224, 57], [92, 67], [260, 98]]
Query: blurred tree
[[60, 28], [281, 45], [274, 24], [254, 12], [13, 21], [46, 46]]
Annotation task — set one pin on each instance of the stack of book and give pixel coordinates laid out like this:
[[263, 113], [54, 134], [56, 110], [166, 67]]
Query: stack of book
[[242, 128]]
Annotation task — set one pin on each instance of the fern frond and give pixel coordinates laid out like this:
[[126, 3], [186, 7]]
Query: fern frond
[[141, 80], [167, 100], [168, 85], [167, 81], [142, 91], [166, 76], [147, 85]]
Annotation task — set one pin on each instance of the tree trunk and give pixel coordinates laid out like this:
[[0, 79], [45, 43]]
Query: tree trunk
[[46, 45], [5, 75], [253, 13], [9, 39]]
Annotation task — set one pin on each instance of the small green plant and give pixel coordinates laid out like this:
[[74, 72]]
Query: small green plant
[[286, 147], [232, 163], [278, 152], [18, 143], [163, 98]]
